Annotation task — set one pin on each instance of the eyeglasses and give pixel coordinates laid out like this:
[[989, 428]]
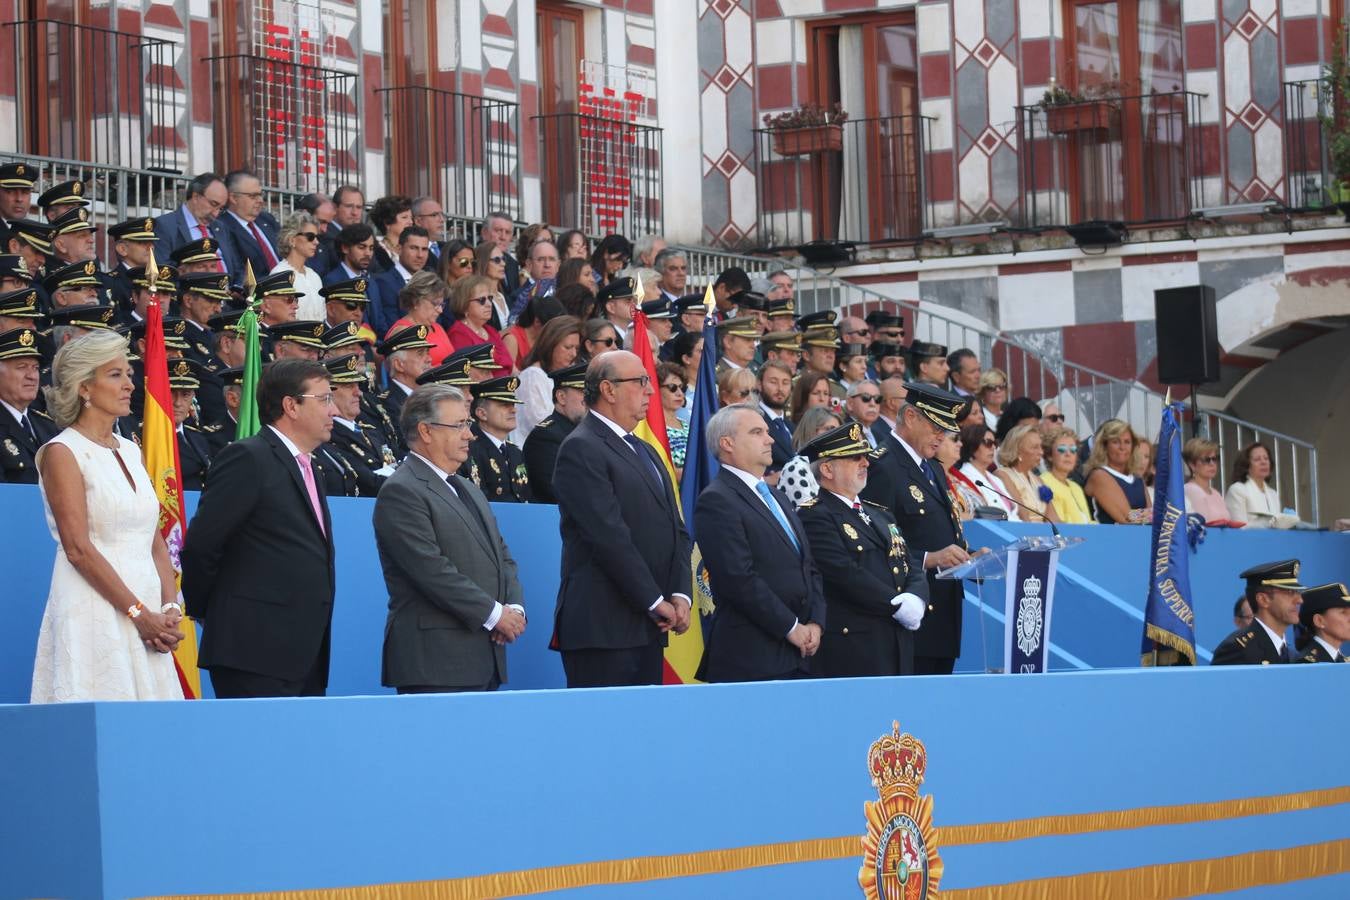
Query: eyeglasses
[[352, 305], [1055, 417], [465, 263], [1208, 459], [456, 426], [430, 215], [1066, 448], [255, 195], [309, 235], [989, 442], [483, 300], [676, 388], [859, 331], [868, 398], [641, 380], [998, 387], [497, 259], [326, 398], [608, 342]]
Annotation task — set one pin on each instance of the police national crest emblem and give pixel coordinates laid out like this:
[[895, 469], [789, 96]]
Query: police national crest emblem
[[900, 849], [1030, 617], [916, 493]]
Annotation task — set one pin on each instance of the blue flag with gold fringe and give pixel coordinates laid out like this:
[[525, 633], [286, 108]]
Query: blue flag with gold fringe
[[1169, 617], [700, 466]]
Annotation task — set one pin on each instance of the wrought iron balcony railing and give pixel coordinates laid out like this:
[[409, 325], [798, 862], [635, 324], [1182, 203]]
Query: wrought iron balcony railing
[[84, 92], [1130, 159], [862, 181], [599, 174], [1307, 162]]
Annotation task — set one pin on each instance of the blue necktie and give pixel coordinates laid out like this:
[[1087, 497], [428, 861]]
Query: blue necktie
[[636, 443], [762, 488]]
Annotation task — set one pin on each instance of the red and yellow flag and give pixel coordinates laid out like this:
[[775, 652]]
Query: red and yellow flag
[[684, 651], [160, 443]]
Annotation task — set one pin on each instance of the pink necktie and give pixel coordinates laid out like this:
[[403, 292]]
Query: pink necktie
[[203, 233], [266, 247], [307, 470]]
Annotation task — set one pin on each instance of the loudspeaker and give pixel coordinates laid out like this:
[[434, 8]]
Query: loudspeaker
[[1188, 335]]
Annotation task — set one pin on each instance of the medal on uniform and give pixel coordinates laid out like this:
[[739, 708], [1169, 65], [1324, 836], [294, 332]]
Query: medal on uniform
[[897, 542], [850, 531], [496, 470], [916, 493]]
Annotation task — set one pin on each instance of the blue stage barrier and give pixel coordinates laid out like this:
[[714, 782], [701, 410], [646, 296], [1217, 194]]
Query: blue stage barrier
[[1098, 615], [1118, 783]]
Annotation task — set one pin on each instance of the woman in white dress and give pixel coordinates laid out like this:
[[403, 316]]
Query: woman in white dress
[[298, 242], [111, 621]]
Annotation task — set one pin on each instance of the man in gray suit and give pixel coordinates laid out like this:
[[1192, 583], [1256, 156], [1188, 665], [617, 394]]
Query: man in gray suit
[[454, 599]]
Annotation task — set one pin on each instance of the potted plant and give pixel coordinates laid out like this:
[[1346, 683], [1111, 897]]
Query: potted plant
[[806, 131], [1335, 118], [1067, 112]]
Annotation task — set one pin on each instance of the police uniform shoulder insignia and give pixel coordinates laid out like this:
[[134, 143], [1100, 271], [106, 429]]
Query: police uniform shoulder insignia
[[546, 422], [212, 429], [1310, 656], [851, 532], [873, 503], [809, 503], [365, 425], [39, 412], [916, 493], [11, 448]]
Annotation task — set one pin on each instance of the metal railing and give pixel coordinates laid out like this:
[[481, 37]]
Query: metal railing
[[116, 193], [85, 92], [1306, 164], [1086, 396], [459, 148], [1128, 159], [600, 175], [861, 181], [296, 125]]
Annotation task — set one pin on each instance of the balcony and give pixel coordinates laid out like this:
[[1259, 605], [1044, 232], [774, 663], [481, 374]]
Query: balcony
[[862, 181], [1306, 154], [81, 92], [295, 124], [461, 149], [600, 174], [1119, 159]]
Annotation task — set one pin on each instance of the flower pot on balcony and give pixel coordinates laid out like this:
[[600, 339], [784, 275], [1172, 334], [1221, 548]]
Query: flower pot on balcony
[[809, 140], [1092, 116]]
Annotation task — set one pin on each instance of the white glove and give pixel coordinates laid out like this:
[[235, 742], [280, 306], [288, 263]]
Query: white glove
[[909, 610]]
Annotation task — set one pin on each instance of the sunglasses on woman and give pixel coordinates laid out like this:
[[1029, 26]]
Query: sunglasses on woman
[[608, 342], [464, 263], [1055, 417], [676, 388], [1208, 459], [989, 442], [483, 300], [1067, 448], [309, 235], [497, 259]]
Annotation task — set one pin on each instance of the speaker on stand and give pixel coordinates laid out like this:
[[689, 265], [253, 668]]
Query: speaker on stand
[[1187, 329]]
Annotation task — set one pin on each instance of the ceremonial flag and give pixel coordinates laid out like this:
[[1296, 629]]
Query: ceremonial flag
[[1169, 618], [160, 444], [700, 466], [684, 651], [248, 424]]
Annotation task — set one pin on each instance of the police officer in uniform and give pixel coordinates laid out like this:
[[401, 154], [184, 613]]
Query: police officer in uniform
[[59, 199], [138, 300], [875, 589], [133, 242], [911, 486], [17, 180], [1275, 595], [357, 443], [496, 465], [72, 239], [231, 389], [23, 429], [739, 339], [414, 349], [194, 444], [1324, 623], [544, 440], [32, 241]]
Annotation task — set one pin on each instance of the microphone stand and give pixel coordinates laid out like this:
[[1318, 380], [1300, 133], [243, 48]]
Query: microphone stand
[[1053, 528]]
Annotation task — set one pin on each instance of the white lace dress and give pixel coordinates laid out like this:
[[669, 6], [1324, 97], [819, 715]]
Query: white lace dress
[[87, 649]]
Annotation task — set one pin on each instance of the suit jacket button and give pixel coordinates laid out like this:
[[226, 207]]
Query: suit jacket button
[[923, 512], [895, 570], [845, 631], [930, 607], [860, 548]]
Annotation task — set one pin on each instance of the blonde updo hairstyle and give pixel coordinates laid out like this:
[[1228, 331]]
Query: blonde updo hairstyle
[[75, 365]]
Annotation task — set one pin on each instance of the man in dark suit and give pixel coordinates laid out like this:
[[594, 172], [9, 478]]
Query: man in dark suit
[[770, 605], [454, 598], [353, 248], [1324, 620], [258, 568], [22, 429], [383, 310], [906, 482], [249, 228], [875, 589], [775, 387], [198, 218], [625, 553], [545, 439], [1275, 595]]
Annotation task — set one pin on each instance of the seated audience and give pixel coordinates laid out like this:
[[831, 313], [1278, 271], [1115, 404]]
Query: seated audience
[[557, 348], [810, 390], [1019, 456], [735, 386], [947, 458], [1111, 481], [1022, 411], [598, 336], [422, 301], [1250, 498], [673, 387], [1202, 459], [973, 472], [472, 302], [796, 479], [993, 395], [1061, 460], [298, 243]]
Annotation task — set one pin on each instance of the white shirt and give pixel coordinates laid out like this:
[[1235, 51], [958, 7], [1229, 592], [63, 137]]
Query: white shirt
[[496, 614], [195, 229], [308, 283], [250, 227], [1276, 637], [536, 389], [623, 435], [17, 413], [293, 450], [1334, 651]]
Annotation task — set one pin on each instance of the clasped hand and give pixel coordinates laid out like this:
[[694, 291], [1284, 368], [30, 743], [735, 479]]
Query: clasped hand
[[672, 615], [159, 631], [805, 638], [510, 626]]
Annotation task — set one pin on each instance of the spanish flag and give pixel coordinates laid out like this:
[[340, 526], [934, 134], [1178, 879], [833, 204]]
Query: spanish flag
[[684, 651], [160, 443]]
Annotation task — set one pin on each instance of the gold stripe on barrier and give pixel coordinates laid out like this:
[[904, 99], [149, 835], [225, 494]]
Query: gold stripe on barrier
[[710, 862], [1183, 879]]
